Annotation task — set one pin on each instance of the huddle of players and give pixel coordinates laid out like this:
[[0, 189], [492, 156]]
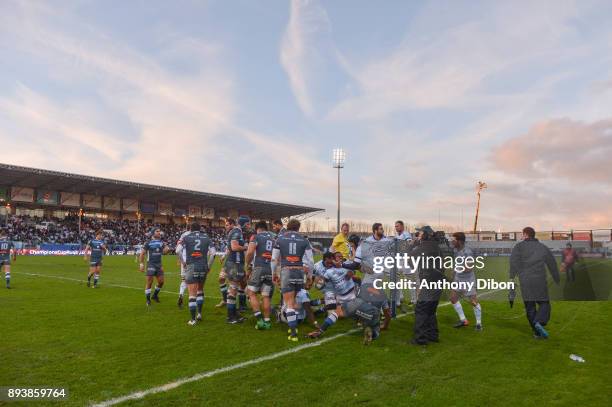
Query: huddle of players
[[285, 260]]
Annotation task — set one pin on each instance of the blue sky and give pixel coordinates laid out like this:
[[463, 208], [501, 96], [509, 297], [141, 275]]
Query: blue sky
[[249, 98]]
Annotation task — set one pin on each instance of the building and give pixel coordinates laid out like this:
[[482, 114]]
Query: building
[[44, 193]]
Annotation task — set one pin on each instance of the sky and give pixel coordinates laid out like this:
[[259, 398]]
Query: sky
[[249, 98]]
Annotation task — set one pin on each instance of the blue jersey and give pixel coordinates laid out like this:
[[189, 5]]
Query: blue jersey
[[264, 242], [235, 257], [5, 249], [97, 249], [154, 250], [339, 279], [292, 247]]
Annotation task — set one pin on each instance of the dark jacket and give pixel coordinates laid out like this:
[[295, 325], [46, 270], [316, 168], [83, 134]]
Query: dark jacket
[[528, 261]]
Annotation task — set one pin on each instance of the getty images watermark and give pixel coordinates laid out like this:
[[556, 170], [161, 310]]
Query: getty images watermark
[[461, 264]]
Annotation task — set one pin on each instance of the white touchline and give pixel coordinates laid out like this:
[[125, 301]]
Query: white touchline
[[106, 284], [173, 385]]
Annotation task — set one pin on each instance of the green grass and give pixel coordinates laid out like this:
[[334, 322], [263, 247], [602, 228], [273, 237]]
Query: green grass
[[103, 343]]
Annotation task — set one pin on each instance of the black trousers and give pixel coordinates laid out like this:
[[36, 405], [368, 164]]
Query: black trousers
[[425, 318], [570, 274], [537, 311]]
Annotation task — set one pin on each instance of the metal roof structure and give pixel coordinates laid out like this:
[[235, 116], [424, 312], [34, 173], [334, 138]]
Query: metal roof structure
[[14, 175]]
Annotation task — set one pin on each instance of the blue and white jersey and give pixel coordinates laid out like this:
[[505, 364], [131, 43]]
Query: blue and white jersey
[[319, 271], [97, 248], [341, 283], [154, 249], [232, 256], [405, 235], [5, 249]]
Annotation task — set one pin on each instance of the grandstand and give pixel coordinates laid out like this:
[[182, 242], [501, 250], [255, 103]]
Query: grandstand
[[43, 193]]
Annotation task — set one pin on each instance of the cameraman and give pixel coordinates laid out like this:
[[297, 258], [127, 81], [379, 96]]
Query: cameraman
[[425, 322]]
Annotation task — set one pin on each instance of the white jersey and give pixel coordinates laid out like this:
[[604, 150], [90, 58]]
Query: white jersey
[[405, 235]]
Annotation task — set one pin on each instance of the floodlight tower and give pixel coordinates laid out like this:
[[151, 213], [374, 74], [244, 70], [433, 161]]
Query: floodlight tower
[[338, 158], [480, 186]]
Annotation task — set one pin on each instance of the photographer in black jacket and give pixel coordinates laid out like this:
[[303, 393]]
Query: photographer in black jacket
[[425, 320]]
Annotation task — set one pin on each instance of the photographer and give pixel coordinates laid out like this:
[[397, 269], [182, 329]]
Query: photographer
[[425, 320]]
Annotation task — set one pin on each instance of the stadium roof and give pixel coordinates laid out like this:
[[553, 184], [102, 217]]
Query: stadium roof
[[13, 175]]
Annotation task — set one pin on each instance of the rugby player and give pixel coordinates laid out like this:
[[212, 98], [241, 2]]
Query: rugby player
[[259, 273], [293, 252], [234, 268], [277, 227], [154, 249], [464, 274], [181, 260], [402, 234], [327, 288], [7, 252], [245, 224], [378, 234], [96, 249], [195, 252], [365, 307]]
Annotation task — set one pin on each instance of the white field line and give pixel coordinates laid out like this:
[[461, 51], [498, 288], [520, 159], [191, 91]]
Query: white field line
[[104, 284], [173, 385]]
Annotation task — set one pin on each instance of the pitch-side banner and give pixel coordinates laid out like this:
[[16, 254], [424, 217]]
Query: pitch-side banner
[[147, 207], [22, 194], [129, 205], [92, 201], [70, 199], [47, 197], [112, 203], [164, 208]]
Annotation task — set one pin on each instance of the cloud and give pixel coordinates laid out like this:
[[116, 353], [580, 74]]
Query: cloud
[[310, 59], [562, 148]]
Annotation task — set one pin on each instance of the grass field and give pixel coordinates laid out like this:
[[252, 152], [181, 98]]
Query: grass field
[[102, 344]]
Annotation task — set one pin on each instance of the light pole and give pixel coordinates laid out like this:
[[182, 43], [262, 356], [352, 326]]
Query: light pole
[[481, 186], [338, 158]]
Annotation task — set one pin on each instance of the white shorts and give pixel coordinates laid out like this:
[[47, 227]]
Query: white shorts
[[466, 278], [347, 297]]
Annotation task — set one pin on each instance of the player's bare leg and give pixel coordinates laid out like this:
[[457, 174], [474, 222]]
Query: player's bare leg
[[454, 299], [477, 312], [7, 275], [158, 287], [148, 285]]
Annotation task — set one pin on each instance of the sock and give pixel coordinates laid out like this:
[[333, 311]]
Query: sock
[[148, 294], [478, 314], [292, 320], [223, 289], [231, 306], [182, 288], [156, 292], [242, 298], [7, 277], [329, 321], [257, 314], [192, 307], [96, 277], [200, 301], [459, 310]]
